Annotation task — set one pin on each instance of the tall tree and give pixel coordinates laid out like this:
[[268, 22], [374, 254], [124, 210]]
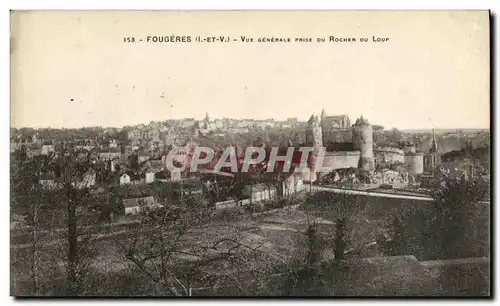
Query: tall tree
[[78, 247], [28, 199]]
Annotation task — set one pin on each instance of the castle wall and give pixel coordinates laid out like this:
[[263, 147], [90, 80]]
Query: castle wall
[[414, 161], [342, 160], [389, 155], [307, 176], [336, 136], [390, 150], [410, 149]]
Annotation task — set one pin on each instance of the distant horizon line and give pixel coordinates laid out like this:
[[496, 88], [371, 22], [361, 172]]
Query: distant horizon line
[[134, 125], [299, 119]]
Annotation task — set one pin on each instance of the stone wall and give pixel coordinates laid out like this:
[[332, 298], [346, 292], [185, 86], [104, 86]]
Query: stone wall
[[342, 160]]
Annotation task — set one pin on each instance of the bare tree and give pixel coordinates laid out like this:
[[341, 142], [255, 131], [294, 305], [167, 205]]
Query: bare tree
[[28, 199], [50, 243], [173, 249], [31, 222], [77, 251]]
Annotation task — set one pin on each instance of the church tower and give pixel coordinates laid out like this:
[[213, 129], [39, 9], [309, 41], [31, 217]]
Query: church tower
[[323, 115], [434, 146], [433, 158]]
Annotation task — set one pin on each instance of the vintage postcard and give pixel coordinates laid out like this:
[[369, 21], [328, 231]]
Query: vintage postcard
[[250, 153]]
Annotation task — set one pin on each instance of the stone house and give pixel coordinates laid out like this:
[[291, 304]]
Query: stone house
[[261, 192], [142, 156], [47, 147], [110, 154], [48, 181], [88, 180], [124, 179], [133, 206], [149, 176], [293, 184]]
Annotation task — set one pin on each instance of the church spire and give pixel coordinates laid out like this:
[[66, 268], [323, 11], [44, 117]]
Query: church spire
[[434, 146]]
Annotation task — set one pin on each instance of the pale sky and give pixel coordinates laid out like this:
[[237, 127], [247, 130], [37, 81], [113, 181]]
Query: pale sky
[[433, 71]]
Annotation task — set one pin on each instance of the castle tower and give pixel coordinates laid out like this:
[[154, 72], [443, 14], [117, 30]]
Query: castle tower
[[314, 135], [415, 162], [314, 138], [362, 138]]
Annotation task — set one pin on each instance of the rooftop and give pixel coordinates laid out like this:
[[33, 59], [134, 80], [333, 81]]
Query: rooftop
[[361, 121], [110, 150], [133, 202], [335, 117], [46, 176]]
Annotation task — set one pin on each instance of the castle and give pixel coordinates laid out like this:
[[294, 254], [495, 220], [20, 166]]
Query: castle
[[358, 151]]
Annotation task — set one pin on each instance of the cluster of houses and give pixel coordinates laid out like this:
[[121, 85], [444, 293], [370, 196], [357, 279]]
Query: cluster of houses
[[136, 156], [111, 165], [268, 190]]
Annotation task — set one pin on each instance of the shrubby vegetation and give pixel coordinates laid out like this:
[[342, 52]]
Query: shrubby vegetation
[[454, 225]]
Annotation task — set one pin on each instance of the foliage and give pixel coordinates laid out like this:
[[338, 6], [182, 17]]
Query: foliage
[[440, 231]]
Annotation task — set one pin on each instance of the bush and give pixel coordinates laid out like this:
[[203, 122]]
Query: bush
[[441, 230]]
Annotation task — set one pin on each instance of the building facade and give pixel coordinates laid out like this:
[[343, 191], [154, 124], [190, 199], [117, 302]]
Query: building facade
[[336, 128]]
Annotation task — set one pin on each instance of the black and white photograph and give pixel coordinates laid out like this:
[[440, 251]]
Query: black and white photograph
[[250, 153]]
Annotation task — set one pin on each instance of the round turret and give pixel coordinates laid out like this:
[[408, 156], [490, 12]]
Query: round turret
[[362, 138], [314, 135], [415, 162], [314, 138]]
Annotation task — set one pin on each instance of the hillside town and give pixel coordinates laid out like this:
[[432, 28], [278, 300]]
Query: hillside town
[[108, 181], [369, 155]]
